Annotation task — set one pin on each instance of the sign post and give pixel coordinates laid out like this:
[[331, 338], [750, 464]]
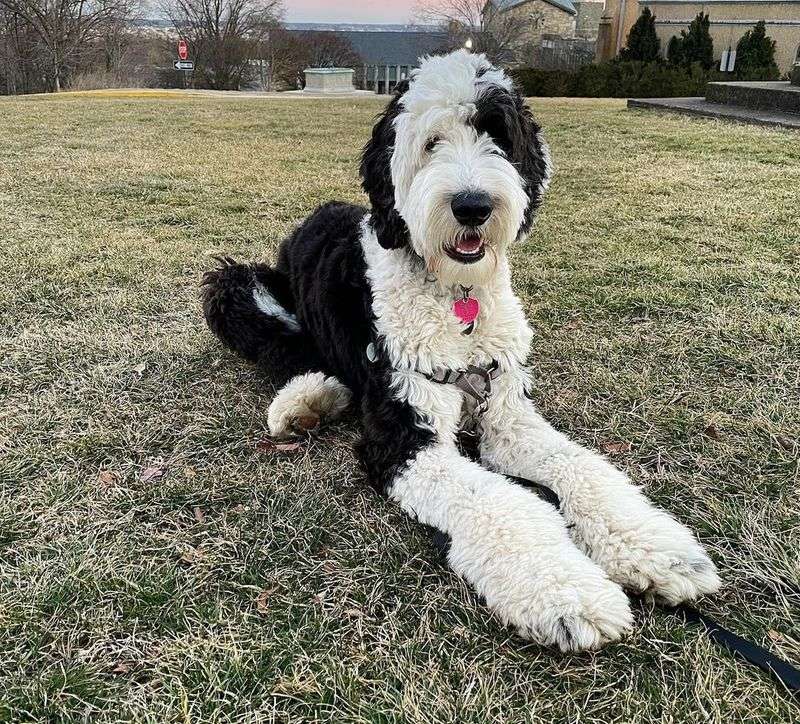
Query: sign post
[[184, 63]]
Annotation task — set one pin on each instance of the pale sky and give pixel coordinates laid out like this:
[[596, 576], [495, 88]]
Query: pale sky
[[352, 11]]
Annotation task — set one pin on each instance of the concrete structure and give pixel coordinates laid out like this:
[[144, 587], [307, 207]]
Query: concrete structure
[[329, 80], [701, 107], [761, 95], [774, 103], [730, 20]]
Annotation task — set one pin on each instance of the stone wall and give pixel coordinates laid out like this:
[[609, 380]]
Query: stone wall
[[587, 22], [729, 21]]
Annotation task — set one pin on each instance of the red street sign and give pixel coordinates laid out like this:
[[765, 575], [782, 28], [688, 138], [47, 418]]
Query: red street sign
[[183, 50]]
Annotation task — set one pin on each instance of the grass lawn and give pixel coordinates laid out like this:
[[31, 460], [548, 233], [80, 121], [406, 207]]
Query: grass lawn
[[157, 564]]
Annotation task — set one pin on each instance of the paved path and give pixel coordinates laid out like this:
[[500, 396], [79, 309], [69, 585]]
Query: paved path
[[702, 107]]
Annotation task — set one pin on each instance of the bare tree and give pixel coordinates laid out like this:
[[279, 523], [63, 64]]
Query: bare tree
[[329, 50], [224, 36], [482, 25], [64, 27]]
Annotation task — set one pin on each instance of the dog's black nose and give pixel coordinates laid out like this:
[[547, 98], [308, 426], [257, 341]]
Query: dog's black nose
[[471, 208]]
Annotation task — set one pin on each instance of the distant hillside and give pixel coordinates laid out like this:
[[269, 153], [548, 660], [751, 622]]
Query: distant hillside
[[162, 24], [364, 27]]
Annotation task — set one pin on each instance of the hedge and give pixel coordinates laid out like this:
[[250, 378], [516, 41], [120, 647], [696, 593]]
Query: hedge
[[619, 79]]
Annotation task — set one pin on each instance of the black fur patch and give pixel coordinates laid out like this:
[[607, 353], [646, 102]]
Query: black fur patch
[[505, 117], [326, 272], [234, 317], [376, 176], [321, 278], [393, 434], [324, 263]]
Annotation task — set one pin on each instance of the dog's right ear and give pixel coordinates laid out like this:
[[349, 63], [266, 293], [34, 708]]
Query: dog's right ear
[[376, 176]]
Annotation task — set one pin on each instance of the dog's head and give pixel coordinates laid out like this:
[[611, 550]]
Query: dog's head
[[456, 167]]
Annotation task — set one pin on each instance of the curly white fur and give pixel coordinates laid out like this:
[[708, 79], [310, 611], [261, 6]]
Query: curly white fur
[[305, 402]]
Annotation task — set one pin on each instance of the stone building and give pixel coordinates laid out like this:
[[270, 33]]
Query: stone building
[[729, 21], [539, 17]]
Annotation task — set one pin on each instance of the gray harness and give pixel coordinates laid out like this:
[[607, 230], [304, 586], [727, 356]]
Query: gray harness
[[476, 383]]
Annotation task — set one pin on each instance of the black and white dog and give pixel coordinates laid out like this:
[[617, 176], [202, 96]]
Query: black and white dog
[[407, 308]]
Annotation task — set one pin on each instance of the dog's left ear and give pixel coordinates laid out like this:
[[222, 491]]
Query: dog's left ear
[[532, 158], [507, 119], [376, 177]]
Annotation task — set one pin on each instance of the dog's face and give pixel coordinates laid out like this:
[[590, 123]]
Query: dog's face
[[456, 167]]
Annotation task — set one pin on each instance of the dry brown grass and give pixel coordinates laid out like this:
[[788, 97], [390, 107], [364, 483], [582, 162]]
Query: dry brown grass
[[662, 279]]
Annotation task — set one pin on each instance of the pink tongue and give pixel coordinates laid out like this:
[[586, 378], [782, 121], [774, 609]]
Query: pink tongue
[[466, 309], [469, 245]]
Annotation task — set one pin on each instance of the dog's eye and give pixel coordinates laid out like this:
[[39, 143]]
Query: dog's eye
[[431, 144]]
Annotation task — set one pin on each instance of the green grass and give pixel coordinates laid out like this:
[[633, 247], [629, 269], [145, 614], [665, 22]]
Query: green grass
[[662, 280]]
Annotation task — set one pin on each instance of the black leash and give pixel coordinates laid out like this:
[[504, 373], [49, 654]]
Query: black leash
[[783, 671]]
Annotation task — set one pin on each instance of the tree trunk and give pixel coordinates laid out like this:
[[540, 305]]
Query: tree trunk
[[56, 73]]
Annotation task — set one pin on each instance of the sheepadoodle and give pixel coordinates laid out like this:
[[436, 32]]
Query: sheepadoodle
[[406, 309]]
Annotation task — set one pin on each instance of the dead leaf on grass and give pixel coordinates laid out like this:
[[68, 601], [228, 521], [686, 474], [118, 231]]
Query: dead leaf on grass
[[140, 368], [107, 479], [151, 473], [262, 600], [615, 448], [192, 555], [270, 446], [199, 515], [785, 442], [712, 432], [121, 668]]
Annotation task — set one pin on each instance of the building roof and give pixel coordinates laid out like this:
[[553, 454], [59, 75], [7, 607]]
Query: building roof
[[565, 5], [392, 48]]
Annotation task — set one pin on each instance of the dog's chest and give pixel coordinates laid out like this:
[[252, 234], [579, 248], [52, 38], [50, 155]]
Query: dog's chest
[[423, 326]]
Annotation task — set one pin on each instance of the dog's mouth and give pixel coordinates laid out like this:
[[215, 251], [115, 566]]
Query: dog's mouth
[[468, 249]]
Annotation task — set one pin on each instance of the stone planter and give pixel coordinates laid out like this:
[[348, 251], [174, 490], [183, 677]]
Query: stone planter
[[329, 80]]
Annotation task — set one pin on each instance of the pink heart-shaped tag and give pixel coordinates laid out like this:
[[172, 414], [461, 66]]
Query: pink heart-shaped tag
[[467, 310]]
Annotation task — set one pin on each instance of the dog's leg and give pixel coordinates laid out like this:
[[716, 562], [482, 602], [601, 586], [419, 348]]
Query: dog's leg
[[512, 547], [640, 546], [305, 402]]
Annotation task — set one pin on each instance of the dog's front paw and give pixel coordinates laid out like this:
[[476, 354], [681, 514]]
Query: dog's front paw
[[305, 402], [581, 616], [552, 595], [647, 551]]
